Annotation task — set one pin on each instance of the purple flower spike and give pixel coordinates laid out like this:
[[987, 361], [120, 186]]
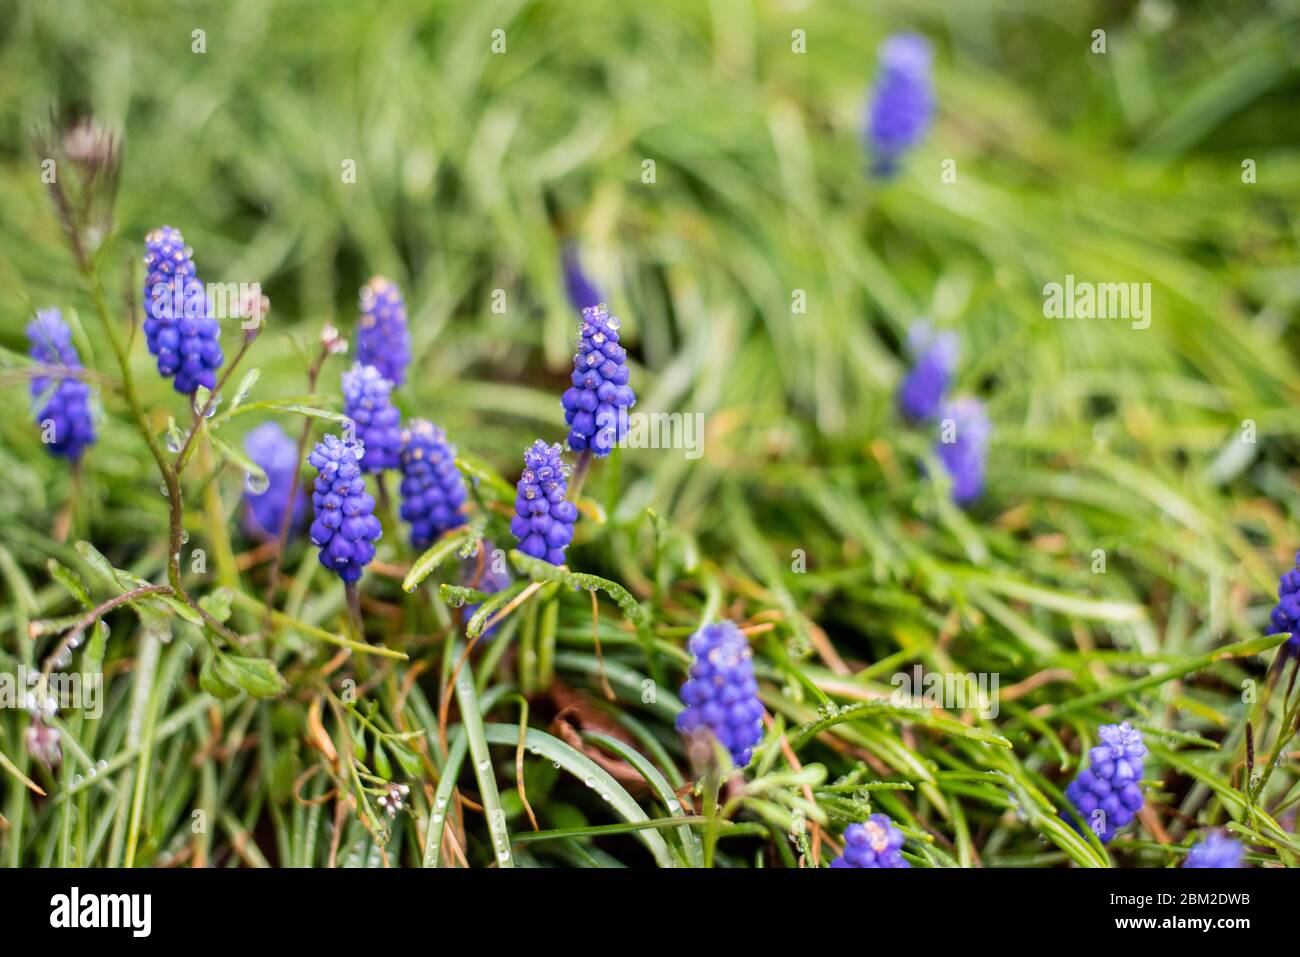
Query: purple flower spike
[[874, 843], [178, 327], [963, 447], [367, 402], [383, 339], [1108, 793], [490, 582], [65, 418], [582, 293], [902, 104], [543, 520], [1286, 614], [720, 693], [595, 407], [345, 529], [1217, 850], [433, 491], [924, 388], [277, 454]]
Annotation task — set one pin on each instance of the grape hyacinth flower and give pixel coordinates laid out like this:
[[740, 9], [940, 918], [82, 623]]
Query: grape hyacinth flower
[[178, 326], [492, 580], [595, 406], [874, 843], [925, 387], [1217, 850], [345, 529], [721, 694], [383, 339], [65, 418], [543, 520], [433, 491], [1107, 793], [367, 402], [582, 293], [270, 447], [902, 104], [1286, 614], [963, 447]]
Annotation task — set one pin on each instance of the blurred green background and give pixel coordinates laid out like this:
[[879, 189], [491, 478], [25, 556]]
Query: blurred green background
[[472, 169]]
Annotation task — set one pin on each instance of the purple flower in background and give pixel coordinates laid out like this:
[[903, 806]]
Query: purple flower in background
[[277, 454], [902, 103], [178, 327], [582, 293], [720, 693], [433, 491], [367, 402], [494, 578], [874, 843], [383, 339], [64, 417], [543, 520], [595, 406], [1286, 614], [1108, 793], [345, 529], [963, 447], [1217, 850], [923, 390]]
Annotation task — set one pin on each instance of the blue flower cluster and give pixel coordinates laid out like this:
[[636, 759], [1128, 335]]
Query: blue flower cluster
[[178, 326], [903, 104], [65, 415], [1108, 793], [582, 292], [345, 529], [543, 520], [720, 693], [273, 450], [1286, 614], [595, 406], [433, 492], [367, 401], [963, 447], [874, 843], [491, 581], [1217, 850], [383, 339], [925, 387]]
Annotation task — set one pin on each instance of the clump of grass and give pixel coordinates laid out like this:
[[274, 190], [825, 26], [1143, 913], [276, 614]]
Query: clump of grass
[[1136, 497]]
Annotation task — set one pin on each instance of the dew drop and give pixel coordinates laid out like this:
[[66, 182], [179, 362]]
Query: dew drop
[[256, 482]]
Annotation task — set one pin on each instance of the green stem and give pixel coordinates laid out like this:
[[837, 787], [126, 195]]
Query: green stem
[[472, 721]]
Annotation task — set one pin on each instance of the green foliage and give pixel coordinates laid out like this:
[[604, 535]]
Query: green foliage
[[1142, 482]]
